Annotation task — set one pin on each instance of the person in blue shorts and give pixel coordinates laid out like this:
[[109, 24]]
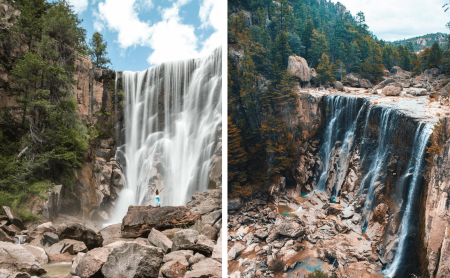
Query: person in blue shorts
[[157, 198]]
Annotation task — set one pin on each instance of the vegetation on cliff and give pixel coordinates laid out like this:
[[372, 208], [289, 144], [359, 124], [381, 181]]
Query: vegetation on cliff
[[43, 139], [262, 34]]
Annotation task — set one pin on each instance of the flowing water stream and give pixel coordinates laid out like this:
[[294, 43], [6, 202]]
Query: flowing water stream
[[172, 116]]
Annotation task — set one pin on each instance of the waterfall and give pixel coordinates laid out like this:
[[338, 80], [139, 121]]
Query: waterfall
[[421, 139], [172, 117], [343, 116]]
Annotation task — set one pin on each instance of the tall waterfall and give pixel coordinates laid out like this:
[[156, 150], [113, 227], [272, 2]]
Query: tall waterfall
[[421, 139], [172, 115]]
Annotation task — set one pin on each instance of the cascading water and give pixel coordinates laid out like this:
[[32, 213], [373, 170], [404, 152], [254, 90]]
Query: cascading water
[[344, 113], [172, 115], [421, 139]]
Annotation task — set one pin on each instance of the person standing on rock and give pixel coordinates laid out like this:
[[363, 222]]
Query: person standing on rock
[[158, 203]]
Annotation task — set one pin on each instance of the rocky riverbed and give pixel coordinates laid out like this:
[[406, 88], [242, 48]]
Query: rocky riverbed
[[150, 242]]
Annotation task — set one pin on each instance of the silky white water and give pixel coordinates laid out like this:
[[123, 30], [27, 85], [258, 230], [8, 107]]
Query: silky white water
[[172, 115], [421, 139]]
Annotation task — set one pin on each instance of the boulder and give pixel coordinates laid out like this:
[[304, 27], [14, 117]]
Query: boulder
[[391, 91], [196, 258], [364, 83], [187, 254], [234, 204], [261, 233], [290, 228], [191, 240], [92, 263], [14, 217], [80, 232], [210, 232], [205, 202], [333, 209], [207, 268], [50, 238], [352, 80], [46, 228], [16, 258], [131, 260], [235, 251], [38, 252], [396, 70], [158, 239], [384, 83], [75, 262], [140, 220], [5, 237], [298, 67], [338, 86], [173, 269], [70, 246], [217, 252], [171, 232], [111, 233], [8, 274]]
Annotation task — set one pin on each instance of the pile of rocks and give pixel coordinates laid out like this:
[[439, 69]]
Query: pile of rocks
[[264, 243]]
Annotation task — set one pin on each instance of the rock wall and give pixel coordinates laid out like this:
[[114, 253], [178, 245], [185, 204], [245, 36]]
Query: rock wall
[[437, 213]]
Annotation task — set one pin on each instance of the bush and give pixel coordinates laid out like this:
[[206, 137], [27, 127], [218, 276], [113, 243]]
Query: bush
[[318, 274]]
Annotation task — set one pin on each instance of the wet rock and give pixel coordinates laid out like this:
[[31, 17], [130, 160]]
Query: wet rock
[[15, 258], [298, 67], [140, 220], [206, 268], [133, 260], [158, 239], [8, 274], [80, 232], [173, 269], [14, 217], [38, 252]]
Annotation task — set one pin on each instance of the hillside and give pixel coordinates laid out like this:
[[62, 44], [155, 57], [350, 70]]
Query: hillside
[[421, 42]]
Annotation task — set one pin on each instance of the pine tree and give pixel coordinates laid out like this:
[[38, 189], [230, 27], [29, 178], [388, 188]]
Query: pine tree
[[306, 38], [237, 156], [319, 46], [434, 57], [97, 51], [324, 71], [30, 22]]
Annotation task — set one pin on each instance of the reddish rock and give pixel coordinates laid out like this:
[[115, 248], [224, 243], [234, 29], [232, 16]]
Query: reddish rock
[[140, 220], [173, 269]]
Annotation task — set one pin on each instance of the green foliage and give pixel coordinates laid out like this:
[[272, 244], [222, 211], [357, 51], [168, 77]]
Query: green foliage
[[97, 50], [49, 142], [318, 274], [324, 70]]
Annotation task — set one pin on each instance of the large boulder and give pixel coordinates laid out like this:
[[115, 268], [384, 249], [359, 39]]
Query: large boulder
[[92, 263], [391, 90], [338, 86], [8, 274], [235, 251], [131, 260], [396, 70], [70, 246], [16, 258], [207, 268], [140, 220], [191, 240], [80, 232], [14, 218], [38, 252], [111, 233], [298, 67], [158, 239], [75, 261], [384, 83], [365, 83], [173, 269], [352, 80], [290, 228]]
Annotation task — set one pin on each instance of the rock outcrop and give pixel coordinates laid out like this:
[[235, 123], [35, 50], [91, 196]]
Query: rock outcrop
[[79, 232], [140, 220], [298, 67], [15, 258]]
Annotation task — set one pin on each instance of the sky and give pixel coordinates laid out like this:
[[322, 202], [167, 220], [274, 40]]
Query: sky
[[144, 33], [399, 19]]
